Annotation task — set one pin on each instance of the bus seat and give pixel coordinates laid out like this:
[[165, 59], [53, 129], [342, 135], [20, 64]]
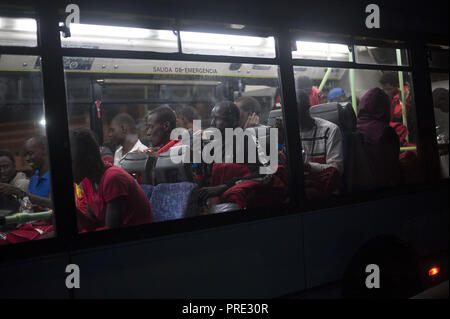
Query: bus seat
[[139, 165], [341, 114], [173, 201], [169, 167], [148, 190], [273, 115]]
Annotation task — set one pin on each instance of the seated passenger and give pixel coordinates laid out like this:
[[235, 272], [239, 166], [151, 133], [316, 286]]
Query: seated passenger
[[323, 151], [8, 172], [241, 183], [9, 176], [185, 117], [113, 197], [38, 190], [321, 140], [337, 95], [381, 141], [160, 123], [122, 132], [250, 110], [305, 84]]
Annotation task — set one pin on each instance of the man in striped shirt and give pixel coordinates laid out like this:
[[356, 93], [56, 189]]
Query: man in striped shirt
[[321, 141]]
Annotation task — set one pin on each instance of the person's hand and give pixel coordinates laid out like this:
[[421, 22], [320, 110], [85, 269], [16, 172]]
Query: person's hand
[[252, 120], [11, 190], [206, 192]]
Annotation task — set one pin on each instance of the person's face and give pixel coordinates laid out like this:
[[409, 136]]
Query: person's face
[[158, 133], [244, 114], [182, 122], [7, 169], [35, 154], [219, 120], [116, 133], [390, 90]]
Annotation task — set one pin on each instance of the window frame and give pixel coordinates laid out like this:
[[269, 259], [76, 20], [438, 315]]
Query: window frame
[[55, 108]]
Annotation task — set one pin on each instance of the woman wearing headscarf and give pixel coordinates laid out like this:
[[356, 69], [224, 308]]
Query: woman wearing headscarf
[[381, 141]]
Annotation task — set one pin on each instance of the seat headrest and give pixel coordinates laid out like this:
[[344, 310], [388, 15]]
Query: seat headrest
[[273, 115], [339, 113]]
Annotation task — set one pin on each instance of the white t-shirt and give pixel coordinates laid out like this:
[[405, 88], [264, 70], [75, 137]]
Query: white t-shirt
[[323, 143], [118, 155]]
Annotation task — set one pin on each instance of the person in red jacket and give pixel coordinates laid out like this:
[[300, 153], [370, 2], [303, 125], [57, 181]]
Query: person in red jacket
[[114, 199], [305, 84]]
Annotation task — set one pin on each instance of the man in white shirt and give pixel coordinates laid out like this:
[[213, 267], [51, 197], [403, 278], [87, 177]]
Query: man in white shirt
[[321, 140], [122, 132]]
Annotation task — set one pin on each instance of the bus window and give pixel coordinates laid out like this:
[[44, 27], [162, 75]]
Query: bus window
[[438, 56], [380, 55], [227, 44], [104, 37], [24, 164], [439, 85], [18, 32], [358, 130], [321, 51], [208, 165]]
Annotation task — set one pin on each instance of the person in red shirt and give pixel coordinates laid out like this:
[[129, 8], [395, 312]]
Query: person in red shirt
[[390, 85], [305, 84], [114, 199]]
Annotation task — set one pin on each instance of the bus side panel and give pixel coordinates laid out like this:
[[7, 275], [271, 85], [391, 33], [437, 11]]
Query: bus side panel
[[253, 260], [333, 236], [37, 278]]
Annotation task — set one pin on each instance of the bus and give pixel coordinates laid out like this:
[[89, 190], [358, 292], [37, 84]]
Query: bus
[[295, 233]]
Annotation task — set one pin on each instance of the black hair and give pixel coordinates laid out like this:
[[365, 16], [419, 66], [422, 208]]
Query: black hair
[[231, 110], [389, 78], [7, 154], [84, 141], [165, 114], [304, 82], [126, 120], [189, 112], [250, 104], [41, 140]]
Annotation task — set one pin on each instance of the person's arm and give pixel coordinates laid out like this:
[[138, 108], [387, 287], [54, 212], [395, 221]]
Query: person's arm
[[206, 192], [115, 212], [36, 200], [335, 156], [39, 201], [87, 221]]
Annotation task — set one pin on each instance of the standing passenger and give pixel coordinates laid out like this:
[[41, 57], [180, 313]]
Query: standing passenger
[[305, 84], [381, 140]]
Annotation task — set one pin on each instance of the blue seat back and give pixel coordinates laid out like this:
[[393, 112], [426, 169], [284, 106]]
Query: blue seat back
[[173, 200], [148, 190]]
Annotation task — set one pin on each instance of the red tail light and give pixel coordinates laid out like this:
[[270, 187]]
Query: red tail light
[[433, 271]]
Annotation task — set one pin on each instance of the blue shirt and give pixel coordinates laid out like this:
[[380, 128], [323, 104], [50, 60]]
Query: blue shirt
[[40, 186]]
